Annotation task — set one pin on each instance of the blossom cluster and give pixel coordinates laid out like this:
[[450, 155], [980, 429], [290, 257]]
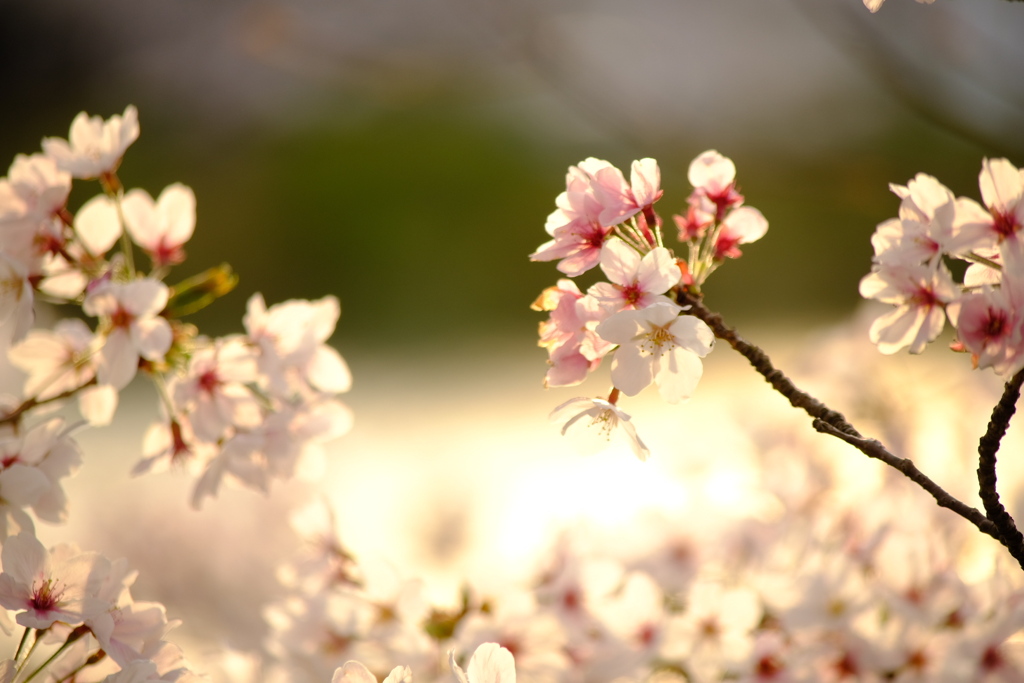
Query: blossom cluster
[[805, 584], [251, 407], [911, 270], [603, 220]]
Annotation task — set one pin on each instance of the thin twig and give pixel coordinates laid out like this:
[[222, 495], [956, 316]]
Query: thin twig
[[874, 449], [987, 448], [828, 421]]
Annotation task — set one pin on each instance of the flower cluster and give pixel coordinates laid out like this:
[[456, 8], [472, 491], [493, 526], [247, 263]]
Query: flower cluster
[[81, 603], [603, 220], [246, 406], [249, 406], [804, 583], [910, 268]]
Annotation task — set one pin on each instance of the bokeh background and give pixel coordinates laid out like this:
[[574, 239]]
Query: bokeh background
[[403, 155]]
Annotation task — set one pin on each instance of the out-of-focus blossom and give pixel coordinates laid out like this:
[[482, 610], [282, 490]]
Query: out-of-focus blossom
[[32, 465], [162, 227], [213, 390], [48, 586], [591, 423], [490, 663], [31, 196], [134, 328], [57, 361], [292, 336], [16, 299], [94, 147], [874, 5], [659, 345]]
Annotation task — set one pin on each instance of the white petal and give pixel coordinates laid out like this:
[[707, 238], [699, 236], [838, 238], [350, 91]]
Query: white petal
[[328, 372], [97, 224], [98, 404]]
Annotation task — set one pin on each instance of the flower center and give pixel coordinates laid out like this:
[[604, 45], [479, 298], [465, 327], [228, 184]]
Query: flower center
[[46, 596], [655, 341]]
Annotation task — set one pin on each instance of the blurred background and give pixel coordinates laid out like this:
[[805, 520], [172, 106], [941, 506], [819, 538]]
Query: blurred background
[[403, 155]]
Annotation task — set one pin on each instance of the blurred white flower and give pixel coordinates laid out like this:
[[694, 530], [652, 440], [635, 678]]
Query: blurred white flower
[[94, 147]]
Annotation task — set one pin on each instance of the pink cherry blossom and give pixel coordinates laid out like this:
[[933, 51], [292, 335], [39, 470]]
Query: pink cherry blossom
[[920, 294], [713, 177], [161, 228], [574, 348], [31, 196], [659, 345], [1002, 190], [741, 226], [55, 361], [134, 327], [989, 324], [292, 336], [94, 147], [47, 449], [931, 223], [48, 586], [636, 282], [620, 201], [591, 423], [213, 390], [575, 226]]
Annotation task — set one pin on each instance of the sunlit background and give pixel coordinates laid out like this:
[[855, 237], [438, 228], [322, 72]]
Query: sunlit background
[[403, 155]]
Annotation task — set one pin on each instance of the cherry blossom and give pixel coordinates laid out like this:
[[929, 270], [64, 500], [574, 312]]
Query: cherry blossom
[[575, 226], [592, 422], [920, 294], [659, 345], [713, 177], [574, 348], [162, 227], [356, 672], [213, 389], [133, 327], [490, 663], [16, 299], [56, 361], [48, 586], [34, 192], [292, 337], [94, 147], [741, 226], [36, 460], [636, 282], [989, 324]]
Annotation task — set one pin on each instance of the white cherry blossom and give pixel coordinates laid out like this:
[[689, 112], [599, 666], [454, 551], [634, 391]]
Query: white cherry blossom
[[94, 147], [490, 663], [592, 423], [659, 345], [134, 327], [162, 227]]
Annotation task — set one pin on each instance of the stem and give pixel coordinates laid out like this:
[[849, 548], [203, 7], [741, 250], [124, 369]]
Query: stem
[[21, 643], [32, 648], [31, 403], [828, 421], [1009, 535], [94, 658], [72, 637]]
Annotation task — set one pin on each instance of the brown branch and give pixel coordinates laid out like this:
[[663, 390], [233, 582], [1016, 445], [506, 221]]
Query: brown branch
[[31, 403], [828, 421], [874, 449], [1010, 536]]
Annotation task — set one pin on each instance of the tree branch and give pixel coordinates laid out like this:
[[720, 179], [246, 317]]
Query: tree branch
[[1010, 536], [828, 421]]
